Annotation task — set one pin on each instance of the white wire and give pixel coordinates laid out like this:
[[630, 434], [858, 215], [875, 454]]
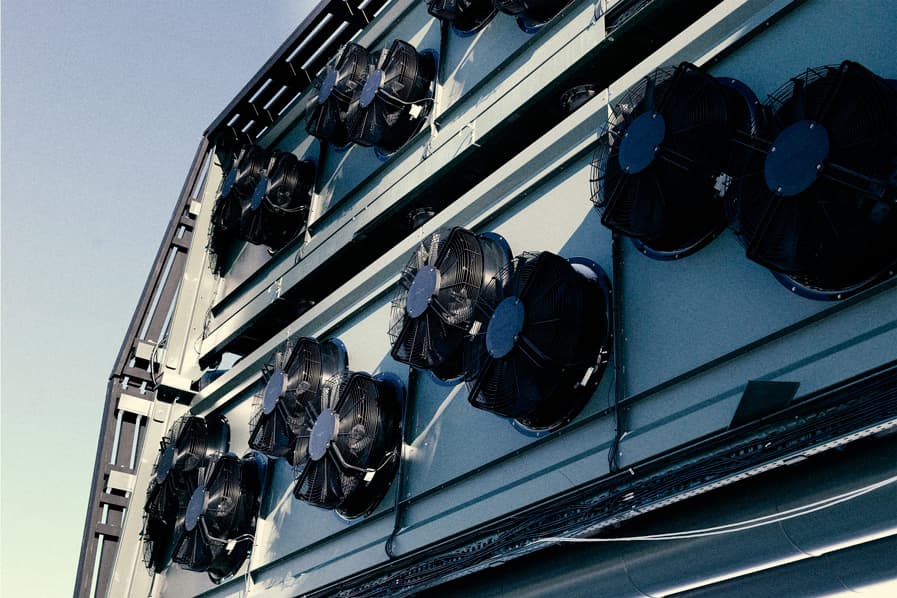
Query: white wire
[[741, 525]]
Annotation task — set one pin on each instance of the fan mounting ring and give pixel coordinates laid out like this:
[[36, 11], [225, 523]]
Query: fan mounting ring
[[195, 507], [166, 460], [369, 91], [423, 288], [504, 327], [321, 434], [641, 140], [273, 390], [327, 87], [795, 158]]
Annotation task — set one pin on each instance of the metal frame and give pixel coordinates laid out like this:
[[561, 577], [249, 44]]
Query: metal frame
[[272, 90], [133, 376]]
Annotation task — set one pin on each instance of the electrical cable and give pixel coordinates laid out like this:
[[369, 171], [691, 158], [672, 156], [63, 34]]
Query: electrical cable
[[740, 525]]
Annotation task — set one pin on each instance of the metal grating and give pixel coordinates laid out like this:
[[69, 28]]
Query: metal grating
[[291, 69]]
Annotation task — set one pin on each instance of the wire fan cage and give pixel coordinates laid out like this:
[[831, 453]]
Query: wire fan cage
[[290, 381], [436, 298], [815, 199], [346, 459], [336, 89], [546, 343], [219, 521], [183, 454], [395, 100], [233, 200], [669, 142]]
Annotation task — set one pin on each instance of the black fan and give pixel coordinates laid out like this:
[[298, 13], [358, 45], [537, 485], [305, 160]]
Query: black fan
[[234, 198], [656, 171], [292, 380], [278, 209], [465, 16], [335, 92], [817, 202], [531, 14], [434, 307], [346, 459], [219, 521], [395, 99], [189, 446], [546, 344]]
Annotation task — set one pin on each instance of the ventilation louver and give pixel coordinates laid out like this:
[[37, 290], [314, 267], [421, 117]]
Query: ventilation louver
[[347, 457], [395, 100], [335, 92], [278, 208], [190, 445], [531, 14], [219, 520], [292, 379], [545, 346], [465, 16], [234, 198], [656, 170], [437, 297], [816, 200]]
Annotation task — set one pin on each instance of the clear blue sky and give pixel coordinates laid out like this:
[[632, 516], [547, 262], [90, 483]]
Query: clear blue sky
[[103, 105]]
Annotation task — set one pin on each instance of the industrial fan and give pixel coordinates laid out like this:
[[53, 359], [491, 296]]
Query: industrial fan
[[347, 457], [656, 169], [292, 379], [234, 198], [816, 202], [278, 209], [219, 520], [545, 346], [395, 99], [531, 14], [335, 92], [438, 291], [189, 447], [465, 16]]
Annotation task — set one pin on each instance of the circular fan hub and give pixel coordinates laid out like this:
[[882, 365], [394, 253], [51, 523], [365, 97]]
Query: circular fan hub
[[641, 140], [274, 389], [322, 434], [195, 507], [795, 158], [259, 193], [165, 463], [326, 87], [504, 327], [369, 91], [229, 181], [423, 288]]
